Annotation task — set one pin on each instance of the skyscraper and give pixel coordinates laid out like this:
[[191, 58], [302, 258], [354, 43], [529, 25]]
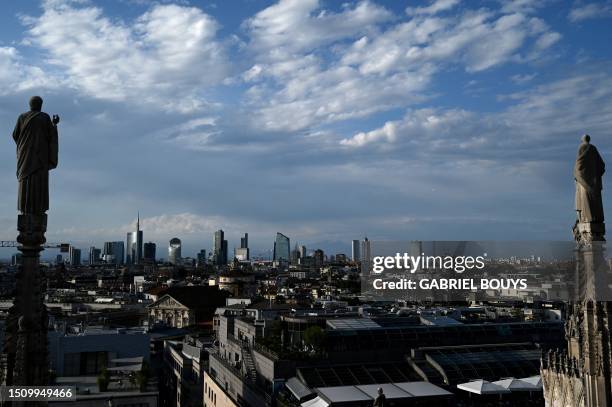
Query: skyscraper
[[220, 248], [365, 256], [16, 259], [201, 260], [75, 256], [150, 250], [113, 253], [224, 251], [134, 245], [295, 254], [174, 251], [281, 248], [302, 251], [242, 253], [319, 257], [94, 255], [356, 250]]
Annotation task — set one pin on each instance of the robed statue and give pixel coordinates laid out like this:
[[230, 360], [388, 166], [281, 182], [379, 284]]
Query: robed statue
[[588, 171], [37, 149]]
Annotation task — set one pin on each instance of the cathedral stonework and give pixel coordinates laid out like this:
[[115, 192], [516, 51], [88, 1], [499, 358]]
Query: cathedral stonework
[[580, 374]]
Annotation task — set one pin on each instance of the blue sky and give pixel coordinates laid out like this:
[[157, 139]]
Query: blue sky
[[324, 120]]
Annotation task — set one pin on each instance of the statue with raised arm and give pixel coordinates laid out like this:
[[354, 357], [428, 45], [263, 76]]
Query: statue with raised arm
[[25, 338], [37, 148]]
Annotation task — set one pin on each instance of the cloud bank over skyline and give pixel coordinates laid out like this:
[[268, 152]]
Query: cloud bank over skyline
[[325, 121]]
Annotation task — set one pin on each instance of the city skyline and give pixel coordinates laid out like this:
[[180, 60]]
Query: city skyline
[[432, 120]]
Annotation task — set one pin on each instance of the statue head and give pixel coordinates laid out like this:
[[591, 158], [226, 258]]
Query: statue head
[[380, 390], [586, 138], [36, 103]]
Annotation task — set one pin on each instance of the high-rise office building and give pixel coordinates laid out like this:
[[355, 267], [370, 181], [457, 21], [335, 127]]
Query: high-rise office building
[[75, 256], [319, 257], [16, 259], [356, 250], [150, 250], [225, 252], [174, 251], [134, 245], [365, 256], [219, 248], [302, 252], [113, 253], [242, 253], [94, 255], [281, 248], [201, 260], [295, 254], [415, 250]]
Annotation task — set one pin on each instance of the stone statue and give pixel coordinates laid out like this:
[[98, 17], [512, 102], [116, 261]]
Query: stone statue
[[37, 148], [588, 170]]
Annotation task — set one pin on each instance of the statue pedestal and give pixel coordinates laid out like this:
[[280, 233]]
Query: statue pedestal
[[26, 328], [587, 232]]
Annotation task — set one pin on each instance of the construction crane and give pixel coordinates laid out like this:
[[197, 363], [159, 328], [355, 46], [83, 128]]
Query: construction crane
[[64, 247]]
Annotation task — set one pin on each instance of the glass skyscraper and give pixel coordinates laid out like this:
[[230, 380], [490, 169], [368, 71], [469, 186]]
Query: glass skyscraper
[[134, 245], [219, 248], [174, 251], [113, 253], [281, 248]]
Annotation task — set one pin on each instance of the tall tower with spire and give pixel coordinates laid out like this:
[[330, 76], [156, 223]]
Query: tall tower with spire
[[134, 245]]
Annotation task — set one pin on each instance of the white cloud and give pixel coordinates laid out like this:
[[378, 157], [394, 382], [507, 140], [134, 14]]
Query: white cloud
[[17, 75], [581, 12], [435, 7], [388, 133], [167, 56], [521, 79], [531, 125], [430, 125], [521, 6], [371, 67], [292, 26]]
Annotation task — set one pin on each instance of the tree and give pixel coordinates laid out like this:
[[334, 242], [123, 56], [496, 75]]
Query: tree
[[314, 338], [142, 376], [103, 379]]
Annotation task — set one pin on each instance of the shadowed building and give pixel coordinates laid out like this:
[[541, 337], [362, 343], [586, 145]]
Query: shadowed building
[[219, 248], [356, 250], [150, 249]]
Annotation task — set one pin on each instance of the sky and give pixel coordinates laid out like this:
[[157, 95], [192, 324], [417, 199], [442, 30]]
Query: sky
[[324, 120]]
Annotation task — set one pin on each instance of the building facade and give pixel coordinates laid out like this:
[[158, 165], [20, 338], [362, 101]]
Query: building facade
[[134, 245], [174, 251], [282, 248], [113, 253]]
